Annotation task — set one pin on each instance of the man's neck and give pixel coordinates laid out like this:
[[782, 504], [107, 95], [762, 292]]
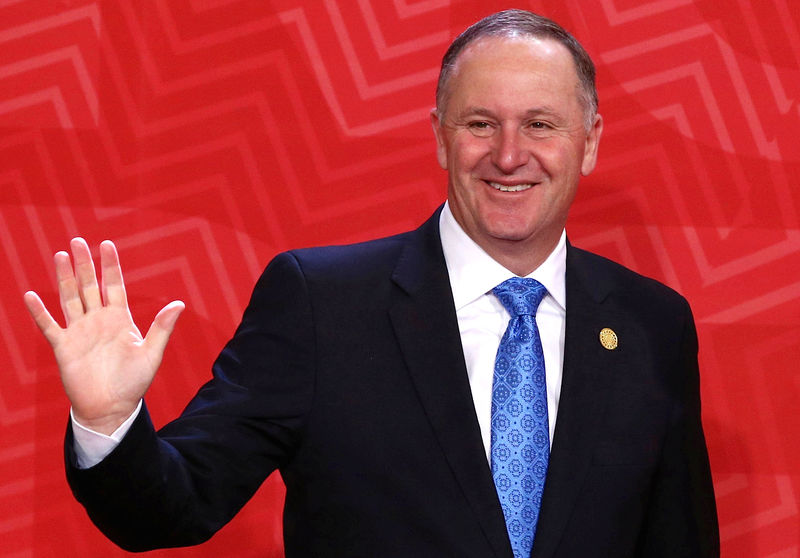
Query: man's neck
[[520, 259]]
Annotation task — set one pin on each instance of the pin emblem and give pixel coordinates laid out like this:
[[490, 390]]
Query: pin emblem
[[608, 338]]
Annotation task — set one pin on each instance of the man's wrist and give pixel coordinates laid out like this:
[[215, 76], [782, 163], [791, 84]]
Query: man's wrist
[[91, 446]]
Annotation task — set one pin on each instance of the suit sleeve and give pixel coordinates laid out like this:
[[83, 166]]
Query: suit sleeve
[[681, 520], [179, 486]]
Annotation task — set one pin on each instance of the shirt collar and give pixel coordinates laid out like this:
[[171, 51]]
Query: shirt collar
[[473, 272]]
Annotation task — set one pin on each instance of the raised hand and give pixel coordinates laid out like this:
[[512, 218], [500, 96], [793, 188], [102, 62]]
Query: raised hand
[[106, 365]]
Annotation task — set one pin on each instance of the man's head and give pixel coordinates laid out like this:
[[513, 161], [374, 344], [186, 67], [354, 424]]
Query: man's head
[[513, 131], [521, 23]]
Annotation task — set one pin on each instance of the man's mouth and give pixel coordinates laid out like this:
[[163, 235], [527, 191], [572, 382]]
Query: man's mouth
[[510, 187]]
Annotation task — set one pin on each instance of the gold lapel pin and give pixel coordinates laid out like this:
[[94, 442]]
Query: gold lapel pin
[[608, 338]]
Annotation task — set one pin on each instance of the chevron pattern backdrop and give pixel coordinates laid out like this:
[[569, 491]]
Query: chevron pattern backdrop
[[204, 136]]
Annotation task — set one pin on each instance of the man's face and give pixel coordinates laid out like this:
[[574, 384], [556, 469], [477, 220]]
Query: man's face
[[513, 140]]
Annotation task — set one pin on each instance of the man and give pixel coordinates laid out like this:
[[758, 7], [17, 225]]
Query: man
[[378, 377]]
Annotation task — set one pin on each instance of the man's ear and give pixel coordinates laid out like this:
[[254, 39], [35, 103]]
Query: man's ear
[[438, 133], [592, 145]]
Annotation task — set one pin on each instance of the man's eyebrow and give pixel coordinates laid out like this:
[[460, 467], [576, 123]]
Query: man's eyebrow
[[476, 111], [537, 111], [531, 112]]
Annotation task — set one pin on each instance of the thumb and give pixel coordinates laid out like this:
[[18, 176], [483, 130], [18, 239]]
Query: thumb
[[162, 326]]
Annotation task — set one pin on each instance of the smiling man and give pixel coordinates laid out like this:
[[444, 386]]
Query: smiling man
[[515, 134], [476, 388]]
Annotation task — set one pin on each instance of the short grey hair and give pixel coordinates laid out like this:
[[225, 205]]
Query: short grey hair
[[522, 23]]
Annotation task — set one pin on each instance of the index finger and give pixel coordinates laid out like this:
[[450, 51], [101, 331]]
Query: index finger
[[113, 284]]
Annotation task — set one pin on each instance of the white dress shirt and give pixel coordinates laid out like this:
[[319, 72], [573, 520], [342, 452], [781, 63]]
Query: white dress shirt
[[482, 319], [91, 447]]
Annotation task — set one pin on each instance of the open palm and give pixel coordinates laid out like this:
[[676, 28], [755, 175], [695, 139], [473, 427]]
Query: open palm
[[106, 365]]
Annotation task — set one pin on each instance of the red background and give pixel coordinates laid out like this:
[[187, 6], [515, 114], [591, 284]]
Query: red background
[[204, 136]]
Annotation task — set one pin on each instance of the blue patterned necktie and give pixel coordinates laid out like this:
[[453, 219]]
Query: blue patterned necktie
[[520, 432]]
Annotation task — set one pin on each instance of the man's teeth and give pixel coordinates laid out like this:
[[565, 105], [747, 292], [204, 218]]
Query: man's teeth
[[505, 188]]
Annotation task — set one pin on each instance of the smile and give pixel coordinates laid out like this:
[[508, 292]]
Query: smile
[[507, 188]]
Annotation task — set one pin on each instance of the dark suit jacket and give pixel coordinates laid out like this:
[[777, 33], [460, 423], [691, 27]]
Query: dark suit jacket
[[347, 374]]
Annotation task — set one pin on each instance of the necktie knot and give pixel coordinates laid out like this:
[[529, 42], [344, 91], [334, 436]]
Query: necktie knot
[[520, 295]]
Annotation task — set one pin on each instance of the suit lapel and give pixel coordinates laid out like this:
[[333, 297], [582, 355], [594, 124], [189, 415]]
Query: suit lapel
[[425, 323], [589, 370]]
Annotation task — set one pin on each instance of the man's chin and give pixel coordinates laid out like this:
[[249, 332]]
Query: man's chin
[[510, 231]]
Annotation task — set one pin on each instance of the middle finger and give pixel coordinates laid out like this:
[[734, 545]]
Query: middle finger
[[85, 273]]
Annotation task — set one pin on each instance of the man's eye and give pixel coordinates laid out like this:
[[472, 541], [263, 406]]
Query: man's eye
[[538, 125], [480, 128]]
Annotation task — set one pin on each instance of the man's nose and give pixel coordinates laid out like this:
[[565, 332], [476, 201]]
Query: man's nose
[[509, 152]]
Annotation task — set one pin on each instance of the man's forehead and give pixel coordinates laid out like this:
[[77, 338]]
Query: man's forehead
[[500, 64], [514, 46]]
